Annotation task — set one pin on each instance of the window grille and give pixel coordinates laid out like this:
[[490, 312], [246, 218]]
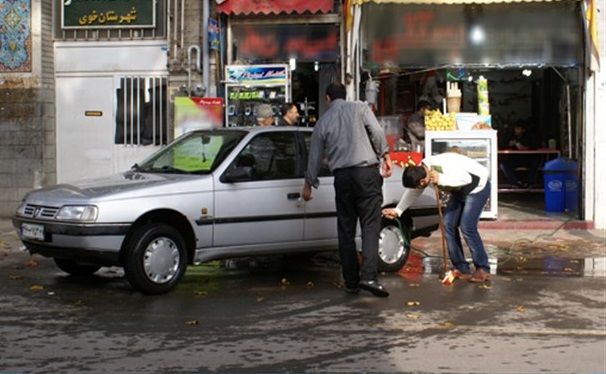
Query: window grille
[[141, 117]]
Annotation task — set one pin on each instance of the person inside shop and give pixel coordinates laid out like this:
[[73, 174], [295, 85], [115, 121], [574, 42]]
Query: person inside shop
[[521, 140], [414, 131], [466, 180], [265, 115], [289, 115], [354, 143]]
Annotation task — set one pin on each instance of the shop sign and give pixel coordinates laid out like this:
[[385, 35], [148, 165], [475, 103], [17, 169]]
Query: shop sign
[[256, 74], [213, 34], [192, 113], [100, 14], [316, 42], [488, 35]]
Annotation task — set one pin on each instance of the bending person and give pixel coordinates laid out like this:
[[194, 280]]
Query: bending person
[[467, 182]]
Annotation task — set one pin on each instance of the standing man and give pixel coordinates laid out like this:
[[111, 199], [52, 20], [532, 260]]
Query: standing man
[[469, 187], [349, 135], [289, 115]]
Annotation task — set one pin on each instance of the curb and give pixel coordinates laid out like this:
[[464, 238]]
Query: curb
[[536, 225]]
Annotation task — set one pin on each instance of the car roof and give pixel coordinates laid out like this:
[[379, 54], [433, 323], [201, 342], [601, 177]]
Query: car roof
[[259, 129]]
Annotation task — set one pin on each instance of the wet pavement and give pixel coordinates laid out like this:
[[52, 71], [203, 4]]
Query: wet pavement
[[543, 311]]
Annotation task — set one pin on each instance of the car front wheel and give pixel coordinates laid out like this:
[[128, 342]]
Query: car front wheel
[[156, 259], [394, 245], [75, 268]]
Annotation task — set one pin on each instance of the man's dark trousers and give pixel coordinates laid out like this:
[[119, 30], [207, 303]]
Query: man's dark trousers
[[358, 194]]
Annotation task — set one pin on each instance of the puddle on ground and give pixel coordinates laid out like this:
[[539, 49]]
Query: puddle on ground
[[418, 264]]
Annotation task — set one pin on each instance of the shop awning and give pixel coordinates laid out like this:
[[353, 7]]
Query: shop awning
[[248, 7], [360, 2]]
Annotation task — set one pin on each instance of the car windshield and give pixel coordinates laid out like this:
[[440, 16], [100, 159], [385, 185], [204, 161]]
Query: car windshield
[[198, 152]]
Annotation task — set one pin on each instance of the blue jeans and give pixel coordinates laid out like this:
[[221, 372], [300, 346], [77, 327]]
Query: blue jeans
[[463, 212]]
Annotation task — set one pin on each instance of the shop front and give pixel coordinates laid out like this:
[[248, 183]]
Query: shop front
[[486, 68], [277, 52]]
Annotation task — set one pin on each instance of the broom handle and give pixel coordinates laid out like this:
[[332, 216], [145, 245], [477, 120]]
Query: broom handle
[[444, 258]]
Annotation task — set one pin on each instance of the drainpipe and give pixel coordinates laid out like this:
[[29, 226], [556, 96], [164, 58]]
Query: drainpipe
[[189, 51], [205, 62]]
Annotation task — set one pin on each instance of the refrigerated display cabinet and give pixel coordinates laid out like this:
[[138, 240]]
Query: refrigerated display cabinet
[[481, 145], [247, 86]]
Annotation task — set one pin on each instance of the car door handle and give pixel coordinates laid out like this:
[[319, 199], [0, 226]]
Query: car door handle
[[293, 196]]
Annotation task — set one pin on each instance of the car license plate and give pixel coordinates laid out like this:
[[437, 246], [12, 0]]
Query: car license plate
[[31, 231]]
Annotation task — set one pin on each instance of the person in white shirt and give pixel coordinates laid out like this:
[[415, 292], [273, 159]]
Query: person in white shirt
[[469, 187]]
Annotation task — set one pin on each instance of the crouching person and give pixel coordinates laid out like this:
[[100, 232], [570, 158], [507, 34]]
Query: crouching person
[[467, 182]]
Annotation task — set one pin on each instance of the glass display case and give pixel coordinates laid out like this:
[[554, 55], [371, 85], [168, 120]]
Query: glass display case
[[250, 85], [481, 145]]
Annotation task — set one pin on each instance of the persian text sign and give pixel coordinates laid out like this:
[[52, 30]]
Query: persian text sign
[[98, 14], [254, 74]]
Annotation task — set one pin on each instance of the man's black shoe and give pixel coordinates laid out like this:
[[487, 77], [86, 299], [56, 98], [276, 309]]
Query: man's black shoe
[[352, 290], [374, 287]]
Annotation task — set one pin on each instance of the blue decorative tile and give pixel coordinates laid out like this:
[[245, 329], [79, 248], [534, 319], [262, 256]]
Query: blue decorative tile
[[15, 36]]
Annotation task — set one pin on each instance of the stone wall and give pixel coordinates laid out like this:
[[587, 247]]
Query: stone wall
[[27, 116]]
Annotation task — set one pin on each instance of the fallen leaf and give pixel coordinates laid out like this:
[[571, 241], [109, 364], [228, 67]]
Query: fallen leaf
[[413, 303], [337, 284], [31, 264], [568, 270], [414, 285], [412, 316], [310, 285], [520, 309], [193, 322], [14, 277], [447, 325], [484, 286], [200, 293], [284, 282], [51, 293], [260, 299], [36, 287]]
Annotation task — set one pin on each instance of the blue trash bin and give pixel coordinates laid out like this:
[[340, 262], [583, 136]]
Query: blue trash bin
[[560, 184]]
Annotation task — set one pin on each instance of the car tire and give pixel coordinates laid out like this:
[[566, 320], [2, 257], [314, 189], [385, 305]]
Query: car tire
[[156, 259], [394, 245], [75, 268]]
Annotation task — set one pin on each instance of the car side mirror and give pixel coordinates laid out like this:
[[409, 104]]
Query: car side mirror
[[237, 174]]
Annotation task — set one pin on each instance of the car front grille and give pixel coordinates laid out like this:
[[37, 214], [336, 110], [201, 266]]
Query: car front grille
[[41, 212]]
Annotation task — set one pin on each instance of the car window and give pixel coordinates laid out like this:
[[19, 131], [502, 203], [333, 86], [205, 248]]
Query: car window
[[197, 153], [270, 156], [324, 169]]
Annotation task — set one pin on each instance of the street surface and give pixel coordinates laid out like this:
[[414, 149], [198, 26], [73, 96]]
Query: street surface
[[290, 315]]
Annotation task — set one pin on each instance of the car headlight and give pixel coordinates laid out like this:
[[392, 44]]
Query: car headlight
[[84, 213], [21, 210]]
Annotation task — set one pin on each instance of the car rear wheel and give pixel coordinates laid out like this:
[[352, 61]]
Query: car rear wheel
[[156, 259], [75, 268], [394, 246]]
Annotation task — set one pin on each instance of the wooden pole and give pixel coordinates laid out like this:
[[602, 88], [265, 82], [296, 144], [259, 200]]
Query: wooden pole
[[444, 252]]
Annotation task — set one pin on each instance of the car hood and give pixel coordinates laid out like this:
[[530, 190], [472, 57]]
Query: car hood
[[127, 184]]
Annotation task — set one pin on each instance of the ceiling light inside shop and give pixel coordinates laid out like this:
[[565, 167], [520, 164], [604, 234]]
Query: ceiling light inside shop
[[293, 63], [527, 72], [316, 66], [477, 34]]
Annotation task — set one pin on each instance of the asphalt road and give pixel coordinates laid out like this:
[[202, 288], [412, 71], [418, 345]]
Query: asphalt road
[[291, 316]]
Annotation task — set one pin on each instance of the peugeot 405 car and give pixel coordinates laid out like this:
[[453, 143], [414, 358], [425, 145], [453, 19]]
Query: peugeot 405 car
[[209, 195]]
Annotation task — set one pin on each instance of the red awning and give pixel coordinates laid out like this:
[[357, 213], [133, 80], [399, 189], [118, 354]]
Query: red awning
[[239, 7]]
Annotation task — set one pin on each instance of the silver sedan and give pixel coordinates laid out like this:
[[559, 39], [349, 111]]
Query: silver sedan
[[210, 194]]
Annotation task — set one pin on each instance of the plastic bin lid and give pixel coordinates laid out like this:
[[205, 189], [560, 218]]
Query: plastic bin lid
[[560, 164]]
